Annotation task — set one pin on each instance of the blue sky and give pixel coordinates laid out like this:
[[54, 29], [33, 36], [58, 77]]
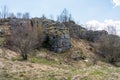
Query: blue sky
[[96, 13], [81, 10]]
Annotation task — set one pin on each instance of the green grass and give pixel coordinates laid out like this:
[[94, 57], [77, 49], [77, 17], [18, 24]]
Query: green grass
[[53, 70], [2, 41], [61, 72], [41, 60], [96, 73]]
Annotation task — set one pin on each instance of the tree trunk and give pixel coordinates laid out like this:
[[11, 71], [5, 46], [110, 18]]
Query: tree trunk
[[24, 56]]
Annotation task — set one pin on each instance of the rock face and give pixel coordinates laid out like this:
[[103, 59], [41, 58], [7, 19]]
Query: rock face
[[79, 32], [59, 39], [75, 30], [95, 35], [55, 35]]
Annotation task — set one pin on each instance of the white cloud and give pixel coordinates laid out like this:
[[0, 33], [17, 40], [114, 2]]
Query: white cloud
[[96, 25], [116, 2]]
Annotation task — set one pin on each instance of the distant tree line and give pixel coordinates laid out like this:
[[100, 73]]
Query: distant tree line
[[65, 16], [4, 13]]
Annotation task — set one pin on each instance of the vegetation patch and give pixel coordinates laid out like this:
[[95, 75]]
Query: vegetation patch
[[96, 73], [42, 60], [2, 40]]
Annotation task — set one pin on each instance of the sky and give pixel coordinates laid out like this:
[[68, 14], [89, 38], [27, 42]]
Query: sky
[[96, 13]]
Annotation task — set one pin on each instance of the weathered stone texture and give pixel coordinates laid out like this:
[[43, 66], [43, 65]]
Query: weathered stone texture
[[56, 35]]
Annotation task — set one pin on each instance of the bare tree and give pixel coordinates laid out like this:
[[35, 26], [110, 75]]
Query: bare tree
[[11, 15], [26, 15], [64, 16], [43, 16], [23, 39], [0, 15], [90, 27], [111, 30], [4, 11], [70, 17], [19, 15], [109, 47]]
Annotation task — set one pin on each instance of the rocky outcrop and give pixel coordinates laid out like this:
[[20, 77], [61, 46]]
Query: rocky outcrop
[[75, 30], [95, 35], [59, 39], [79, 32], [55, 35]]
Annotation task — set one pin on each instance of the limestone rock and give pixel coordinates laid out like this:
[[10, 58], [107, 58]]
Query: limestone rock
[[55, 35]]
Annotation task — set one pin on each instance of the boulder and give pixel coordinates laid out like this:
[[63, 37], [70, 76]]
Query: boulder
[[58, 37]]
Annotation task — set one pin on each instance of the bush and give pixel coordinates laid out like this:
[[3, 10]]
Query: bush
[[22, 39], [109, 48]]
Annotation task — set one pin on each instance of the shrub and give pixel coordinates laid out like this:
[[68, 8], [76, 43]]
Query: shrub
[[22, 39], [109, 48]]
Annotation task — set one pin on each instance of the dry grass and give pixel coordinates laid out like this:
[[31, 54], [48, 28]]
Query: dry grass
[[7, 54], [16, 70], [46, 65]]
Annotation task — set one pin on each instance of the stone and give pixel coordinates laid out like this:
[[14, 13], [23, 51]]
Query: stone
[[67, 36]]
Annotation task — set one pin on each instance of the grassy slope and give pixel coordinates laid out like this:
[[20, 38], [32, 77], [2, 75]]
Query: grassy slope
[[46, 65]]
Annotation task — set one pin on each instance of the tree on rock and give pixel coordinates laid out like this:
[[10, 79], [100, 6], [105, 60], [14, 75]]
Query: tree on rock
[[64, 16], [4, 11]]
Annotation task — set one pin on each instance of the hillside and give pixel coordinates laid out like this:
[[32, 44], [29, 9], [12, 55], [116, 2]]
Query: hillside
[[47, 65], [61, 51]]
